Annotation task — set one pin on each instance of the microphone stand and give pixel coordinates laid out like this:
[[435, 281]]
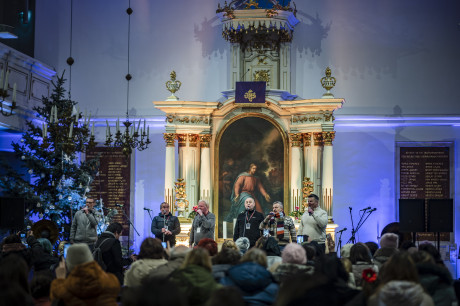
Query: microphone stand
[[130, 223], [339, 243], [360, 223], [148, 210], [352, 239]]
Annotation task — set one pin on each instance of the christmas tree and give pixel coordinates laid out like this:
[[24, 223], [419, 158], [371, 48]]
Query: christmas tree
[[51, 152]]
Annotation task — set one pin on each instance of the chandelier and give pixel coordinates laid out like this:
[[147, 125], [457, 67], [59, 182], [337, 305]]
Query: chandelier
[[132, 137], [4, 94]]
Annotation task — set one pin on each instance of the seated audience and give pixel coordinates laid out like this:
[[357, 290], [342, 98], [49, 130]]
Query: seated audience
[[388, 247], [86, 282], [230, 244], [176, 259], [399, 284], [271, 248], [150, 257], [223, 261], [294, 261], [226, 296], [194, 278], [153, 292], [360, 258], [372, 246], [209, 244], [253, 279], [243, 244]]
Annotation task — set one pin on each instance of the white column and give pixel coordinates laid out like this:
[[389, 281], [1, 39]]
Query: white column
[[327, 177], [307, 150], [316, 162], [205, 168], [296, 169], [191, 168], [170, 168]]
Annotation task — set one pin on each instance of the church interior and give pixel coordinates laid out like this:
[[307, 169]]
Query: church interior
[[358, 106]]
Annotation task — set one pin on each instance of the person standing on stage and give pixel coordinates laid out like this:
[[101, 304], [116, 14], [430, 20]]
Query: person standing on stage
[[247, 223], [279, 226], [84, 225], [314, 221], [203, 224], [165, 226]]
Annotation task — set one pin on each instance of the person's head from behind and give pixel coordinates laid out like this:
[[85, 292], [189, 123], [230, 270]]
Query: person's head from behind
[[179, 251], [199, 257], [422, 257], [230, 244], [310, 251], [46, 245], [227, 257], [255, 255], [294, 253], [14, 269], [373, 247], [40, 284], [269, 245], [78, 254], [431, 249], [360, 252], [153, 292], [226, 296], [400, 266], [209, 244], [115, 228], [243, 244], [151, 248], [389, 240]]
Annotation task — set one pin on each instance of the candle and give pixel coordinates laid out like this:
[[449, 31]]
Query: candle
[[55, 114], [14, 93], [224, 229], [6, 80], [71, 130], [92, 130], [77, 115], [46, 130], [144, 127], [138, 126]]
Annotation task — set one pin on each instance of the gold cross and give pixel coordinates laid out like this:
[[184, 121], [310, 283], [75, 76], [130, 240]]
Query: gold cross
[[250, 95]]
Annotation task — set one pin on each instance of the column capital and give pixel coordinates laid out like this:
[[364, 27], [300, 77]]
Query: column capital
[[318, 138], [169, 138], [328, 137], [182, 139], [295, 139], [306, 137], [193, 140], [205, 140]]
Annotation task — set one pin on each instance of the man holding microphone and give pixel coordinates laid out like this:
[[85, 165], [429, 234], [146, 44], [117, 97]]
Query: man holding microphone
[[279, 226], [165, 226], [247, 223], [84, 225], [314, 221]]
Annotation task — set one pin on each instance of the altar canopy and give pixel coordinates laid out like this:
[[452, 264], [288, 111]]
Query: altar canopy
[[277, 150]]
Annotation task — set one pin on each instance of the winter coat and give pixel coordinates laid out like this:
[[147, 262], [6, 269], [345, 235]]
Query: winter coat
[[400, 293], [358, 269], [195, 282], [111, 254], [438, 283], [86, 284], [140, 269], [173, 226], [83, 228], [31, 255], [220, 271], [383, 254], [285, 270], [255, 282], [174, 263]]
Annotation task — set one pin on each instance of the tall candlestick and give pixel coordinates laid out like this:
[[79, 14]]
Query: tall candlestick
[[6, 80]]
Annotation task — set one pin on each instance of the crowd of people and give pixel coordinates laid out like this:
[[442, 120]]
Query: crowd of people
[[252, 269]]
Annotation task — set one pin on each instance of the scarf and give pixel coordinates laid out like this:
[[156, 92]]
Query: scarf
[[279, 219]]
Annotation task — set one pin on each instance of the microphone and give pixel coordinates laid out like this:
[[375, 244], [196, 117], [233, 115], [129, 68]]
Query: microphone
[[349, 207], [242, 77], [365, 208], [373, 209], [342, 230], [119, 205], [145, 208]]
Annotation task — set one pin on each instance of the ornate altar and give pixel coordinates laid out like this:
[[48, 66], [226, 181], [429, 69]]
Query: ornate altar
[[281, 141]]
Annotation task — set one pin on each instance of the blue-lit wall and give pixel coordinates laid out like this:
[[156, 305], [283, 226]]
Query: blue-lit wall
[[391, 59]]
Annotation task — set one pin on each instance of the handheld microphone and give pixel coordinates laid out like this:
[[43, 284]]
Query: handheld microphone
[[310, 213], [119, 205], [365, 208], [242, 77]]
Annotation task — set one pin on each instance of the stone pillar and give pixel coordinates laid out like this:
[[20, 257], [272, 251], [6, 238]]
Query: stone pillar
[[193, 163], [307, 151], [316, 162], [170, 169], [295, 140], [327, 177], [205, 168]]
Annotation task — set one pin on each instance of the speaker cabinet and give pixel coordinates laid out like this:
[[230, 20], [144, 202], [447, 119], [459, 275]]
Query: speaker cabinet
[[412, 215], [440, 215]]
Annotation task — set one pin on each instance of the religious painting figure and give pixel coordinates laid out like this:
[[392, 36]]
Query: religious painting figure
[[246, 185]]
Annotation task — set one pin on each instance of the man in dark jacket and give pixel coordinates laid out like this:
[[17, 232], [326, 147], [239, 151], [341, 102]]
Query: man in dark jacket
[[111, 250], [247, 223], [165, 226]]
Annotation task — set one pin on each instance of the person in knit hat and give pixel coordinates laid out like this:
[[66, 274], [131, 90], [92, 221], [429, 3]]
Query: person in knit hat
[[86, 283], [345, 250], [388, 247], [243, 244], [294, 261]]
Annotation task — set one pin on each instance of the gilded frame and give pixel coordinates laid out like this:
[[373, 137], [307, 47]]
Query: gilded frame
[[217, 172]]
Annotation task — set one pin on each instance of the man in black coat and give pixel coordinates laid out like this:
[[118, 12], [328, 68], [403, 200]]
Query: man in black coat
[[111, 250], [247, 223], [165, 226]]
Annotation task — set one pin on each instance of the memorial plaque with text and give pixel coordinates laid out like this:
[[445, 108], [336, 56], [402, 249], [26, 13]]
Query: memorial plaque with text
[[425, 174], [113, 182]]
